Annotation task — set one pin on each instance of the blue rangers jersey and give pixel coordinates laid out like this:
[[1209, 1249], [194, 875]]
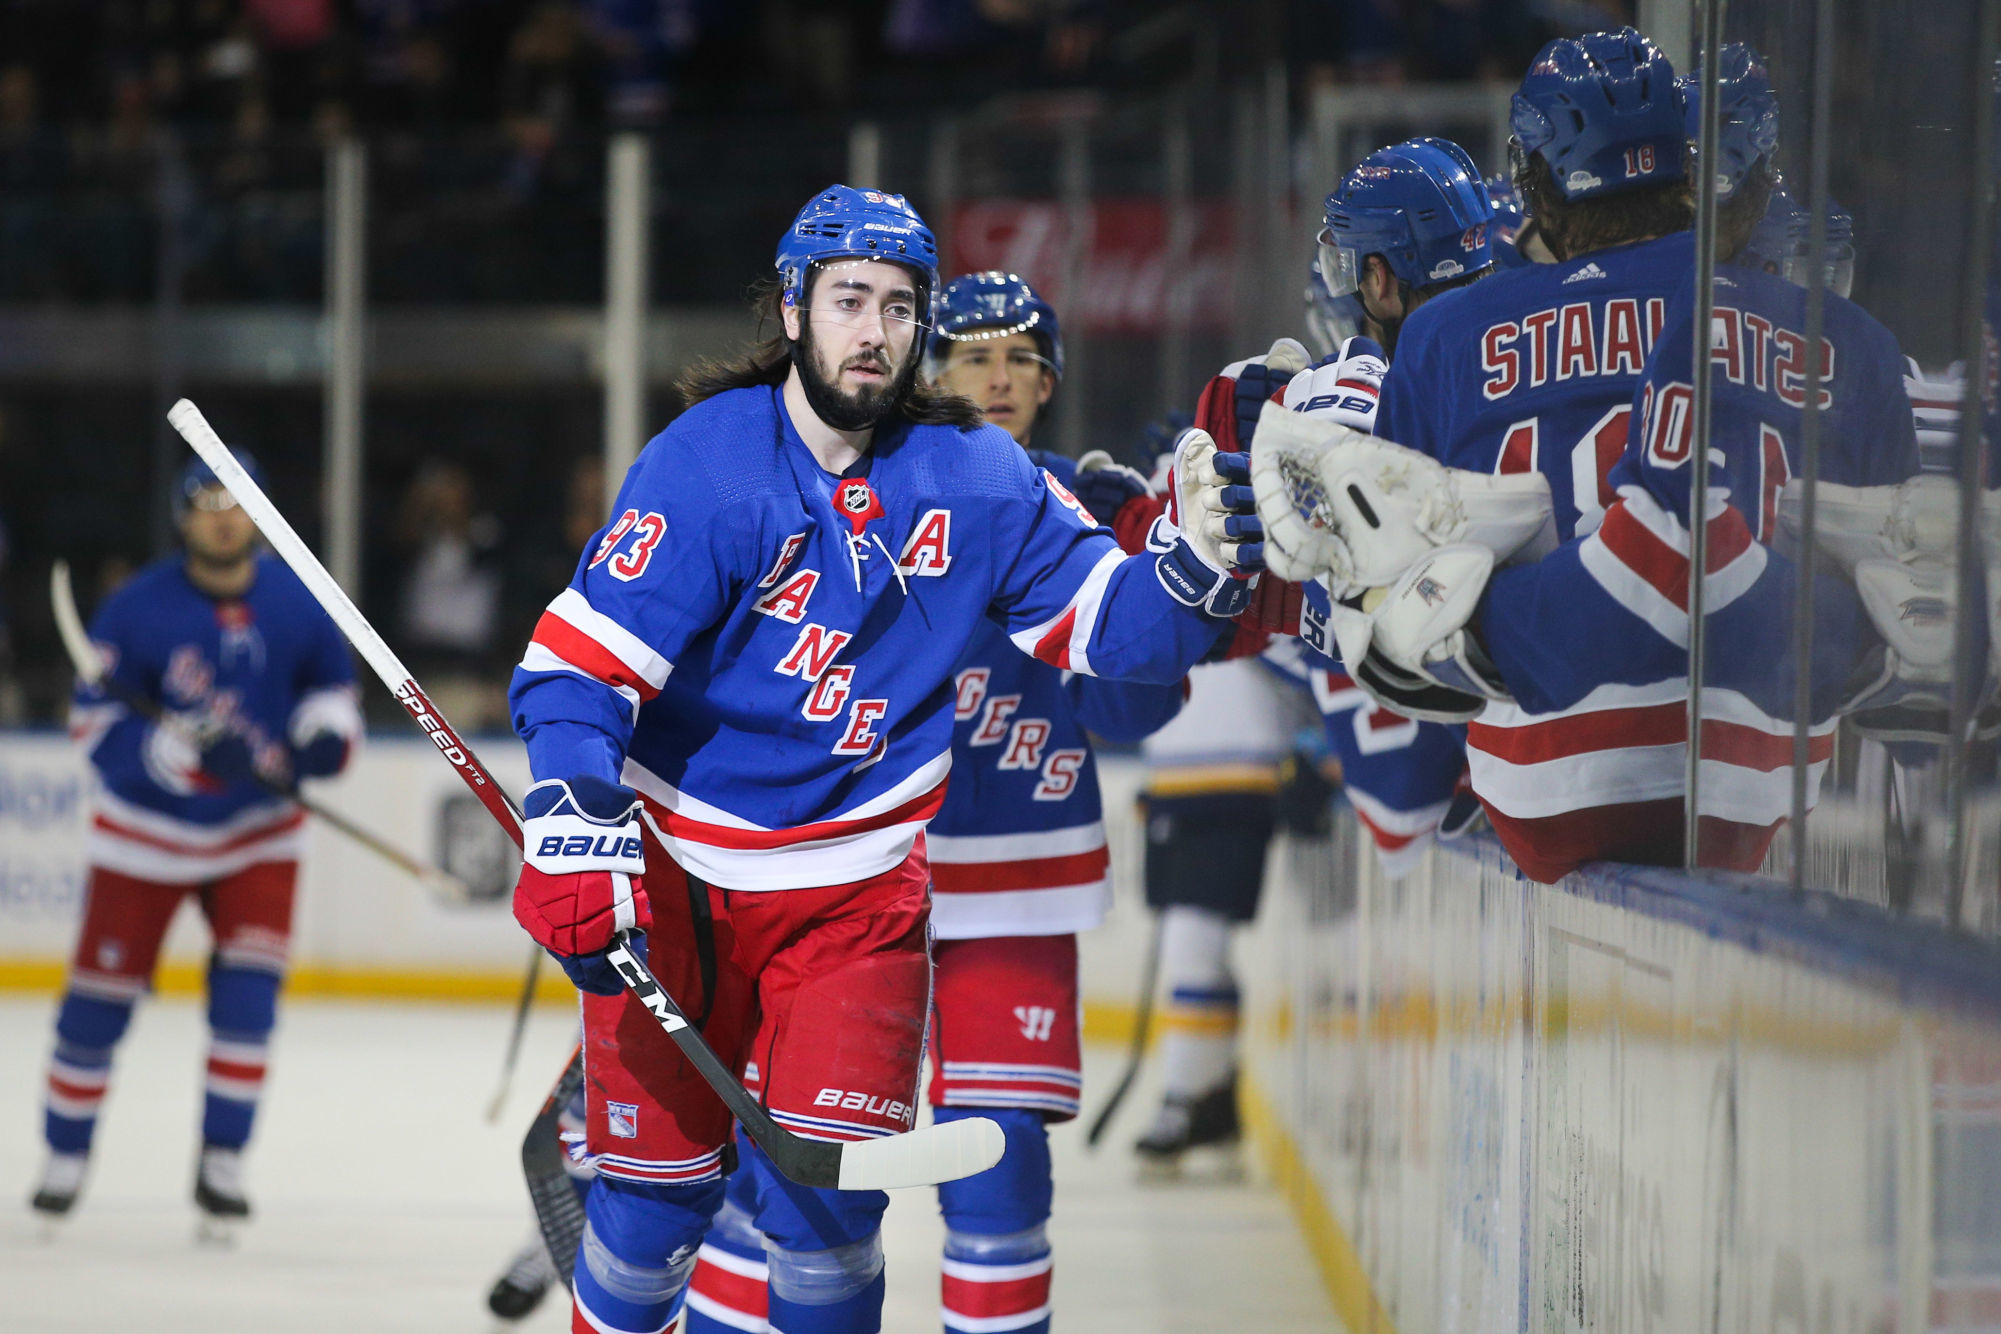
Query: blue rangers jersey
[[1400, 774], [1593, 639], [1019, 847], [1534, 369], [269, 665], [765, 652]]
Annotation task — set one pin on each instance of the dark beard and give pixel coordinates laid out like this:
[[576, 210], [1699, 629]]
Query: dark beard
[[857, 411]]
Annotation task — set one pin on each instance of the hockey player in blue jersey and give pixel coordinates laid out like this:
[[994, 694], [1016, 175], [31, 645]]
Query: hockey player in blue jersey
[[252, 682], [1574, 666], [1019, 866], [745, 696], [1403, 213]]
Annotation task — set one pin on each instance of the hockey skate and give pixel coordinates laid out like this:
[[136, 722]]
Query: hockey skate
[[219, 1195], [521, 1289], [55, 1194], [1204, 1125]]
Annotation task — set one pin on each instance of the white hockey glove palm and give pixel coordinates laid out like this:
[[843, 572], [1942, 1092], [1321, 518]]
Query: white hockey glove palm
[[1208, 542], [1411, 647], [1360, 511]]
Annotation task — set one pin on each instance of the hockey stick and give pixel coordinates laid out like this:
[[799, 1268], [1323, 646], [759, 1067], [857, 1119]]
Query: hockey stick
[[1142, 1029], [90, 668], [521, 1008], [920, 1157], [558, 1211]]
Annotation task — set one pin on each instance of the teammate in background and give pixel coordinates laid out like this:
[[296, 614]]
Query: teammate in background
[[1411, 210], [1580, 658], [1019, 866], [256, 692], [1527, 378], [747, 694]]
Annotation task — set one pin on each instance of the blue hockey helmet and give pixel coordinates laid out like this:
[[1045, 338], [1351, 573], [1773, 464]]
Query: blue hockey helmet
[[1605, 113], [197, 477], [1747, 127], [842, 222], [1780, 242], [1510, 216], [976, 306], [1419, 204]]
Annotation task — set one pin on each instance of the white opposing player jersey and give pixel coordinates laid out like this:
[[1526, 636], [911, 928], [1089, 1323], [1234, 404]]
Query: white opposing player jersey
[[1239, 725]]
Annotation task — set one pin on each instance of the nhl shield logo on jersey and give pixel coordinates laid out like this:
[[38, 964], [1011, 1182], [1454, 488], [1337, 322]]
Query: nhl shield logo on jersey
[[856, 499]]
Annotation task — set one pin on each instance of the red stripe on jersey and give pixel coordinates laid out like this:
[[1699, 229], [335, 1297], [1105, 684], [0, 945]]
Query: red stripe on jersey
[[921, 807], [1752, 748], [976, 1300], [1581, 734], [1078, 868], [111, 826], [1646, 554], [578, 649], [739, 1292], [1054, 647], [1387, 841]]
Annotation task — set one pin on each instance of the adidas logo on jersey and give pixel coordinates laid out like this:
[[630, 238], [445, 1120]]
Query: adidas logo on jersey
[[1588, 272]]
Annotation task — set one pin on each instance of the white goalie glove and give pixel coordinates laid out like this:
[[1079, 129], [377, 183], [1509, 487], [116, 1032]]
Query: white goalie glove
[[1899, 545], [1361, 511], [1410, 646]]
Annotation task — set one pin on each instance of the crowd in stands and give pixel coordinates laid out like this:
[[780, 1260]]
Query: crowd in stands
[[541, 65]]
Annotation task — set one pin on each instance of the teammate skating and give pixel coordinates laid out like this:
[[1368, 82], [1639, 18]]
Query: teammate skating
[[739, 716], [252, 683]]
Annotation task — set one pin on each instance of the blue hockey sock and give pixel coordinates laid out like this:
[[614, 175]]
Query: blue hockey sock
[[997, 1264], [730, 1292], [823, 1250], [637, 1250], [242, 1010], [87, 1029]]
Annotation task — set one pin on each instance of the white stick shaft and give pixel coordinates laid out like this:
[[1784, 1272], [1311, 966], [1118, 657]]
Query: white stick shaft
[[201, 437], [291, 548]]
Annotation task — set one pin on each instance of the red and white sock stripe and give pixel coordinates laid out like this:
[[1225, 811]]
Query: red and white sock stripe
[[236, 1069], [731, 1290], [990, 1298], [77, 1091]]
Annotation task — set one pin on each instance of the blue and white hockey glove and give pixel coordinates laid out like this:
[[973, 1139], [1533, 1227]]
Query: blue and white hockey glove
[[1412, 646], [1345, 388], [583, 860], [1209, 544], [1104, 487], [185, 754]]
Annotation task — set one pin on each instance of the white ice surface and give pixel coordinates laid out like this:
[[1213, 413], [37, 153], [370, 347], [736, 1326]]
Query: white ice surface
[[386, 1203]]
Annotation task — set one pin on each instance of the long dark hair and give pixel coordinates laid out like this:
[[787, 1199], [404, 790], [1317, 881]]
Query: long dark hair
[[768, 361], [1576, 227]]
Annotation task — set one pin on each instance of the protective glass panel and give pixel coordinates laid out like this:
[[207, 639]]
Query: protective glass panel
[[1844, 639]]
